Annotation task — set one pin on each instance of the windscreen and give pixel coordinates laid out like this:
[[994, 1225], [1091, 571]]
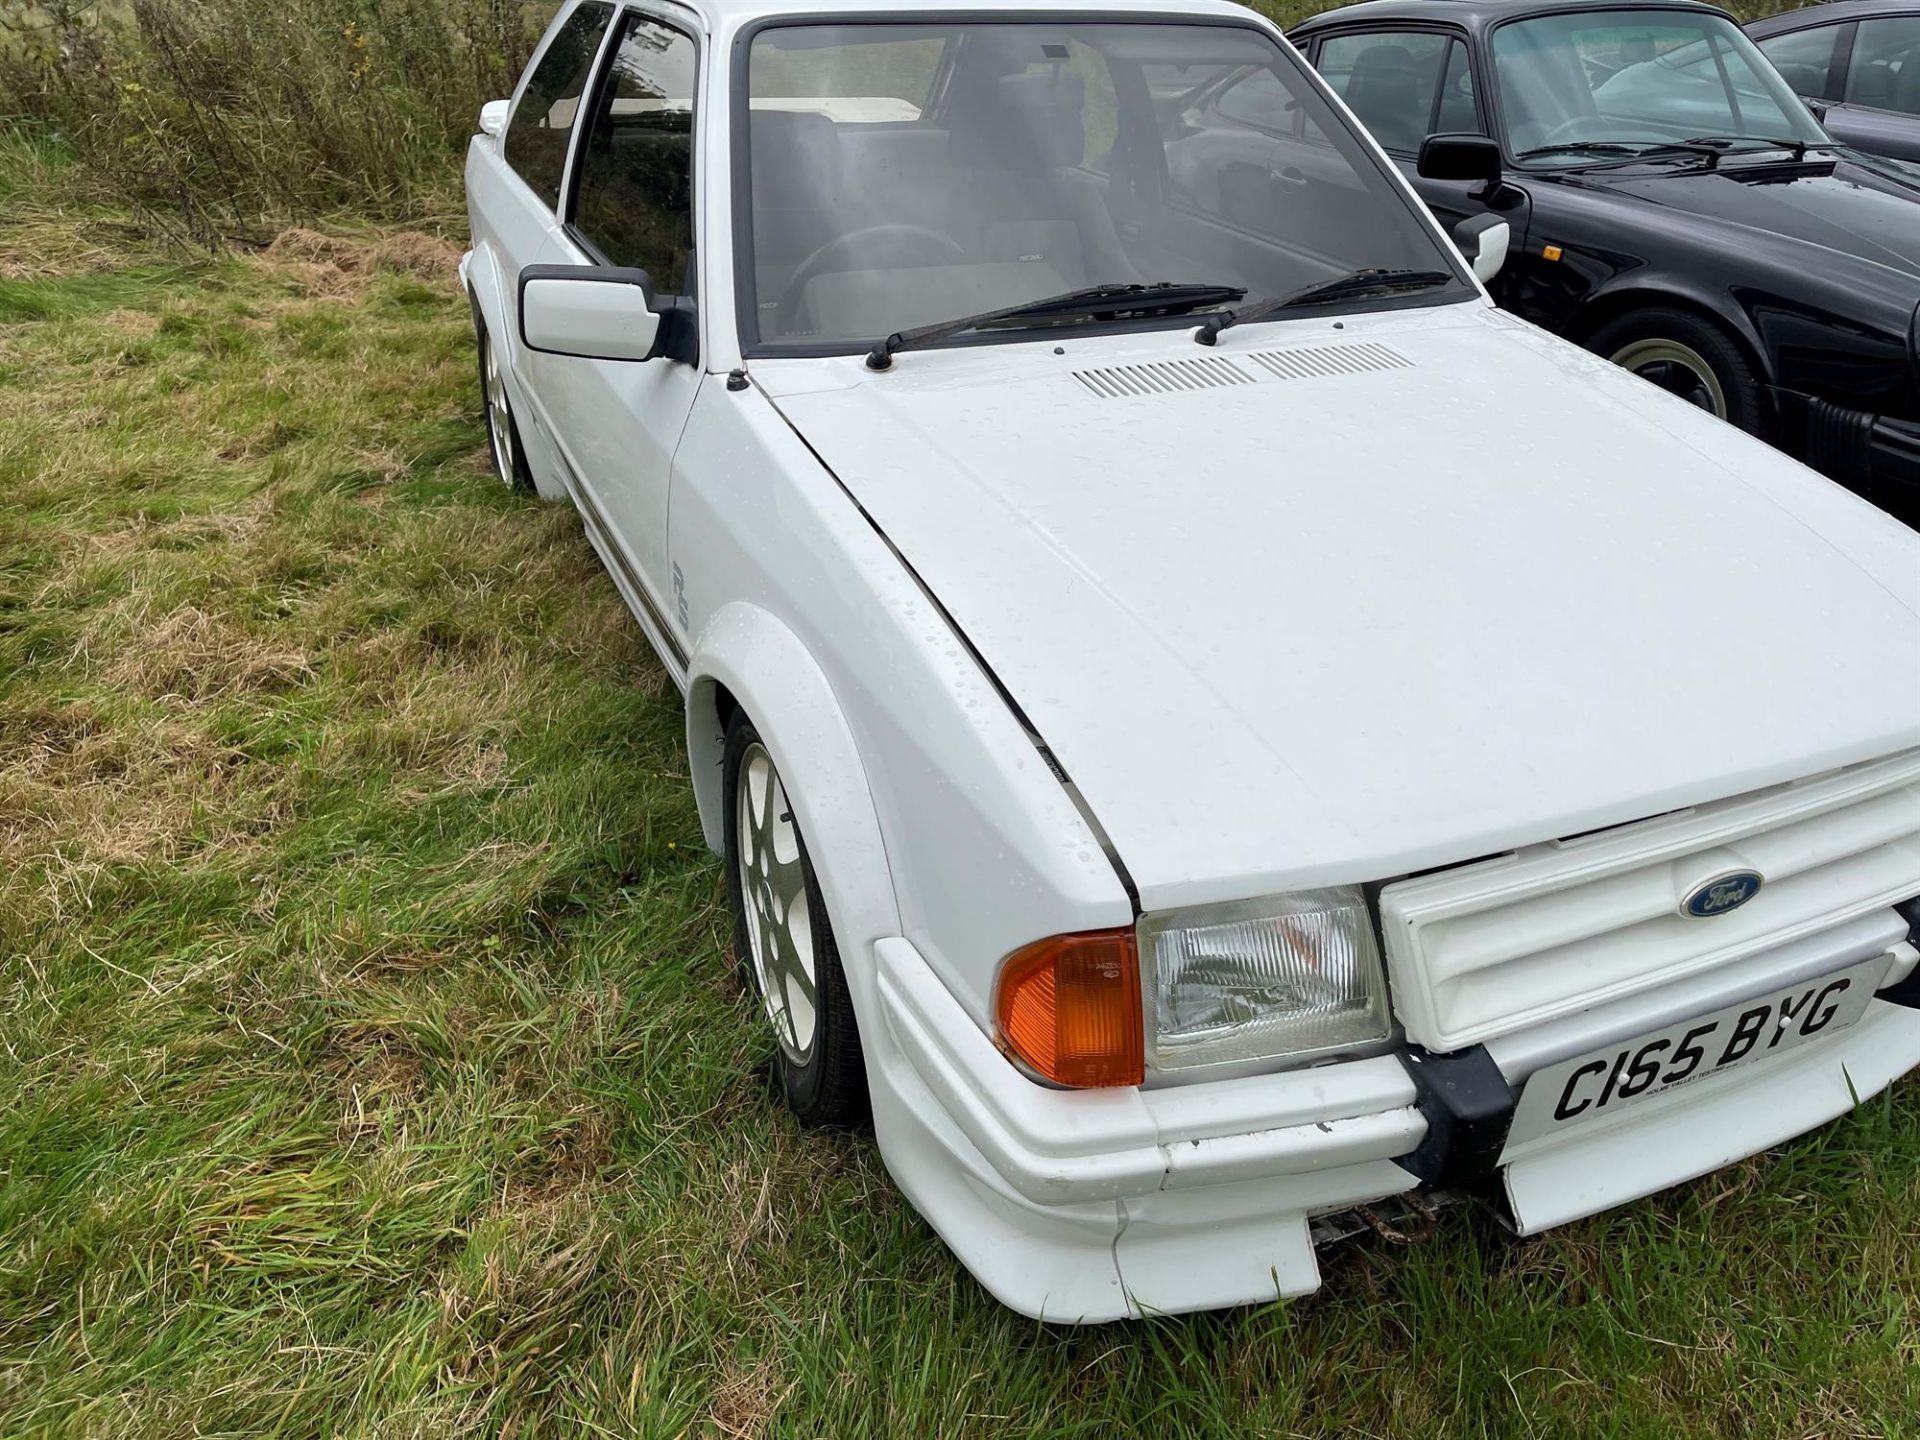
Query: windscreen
[[907, 175], [1638, 79]]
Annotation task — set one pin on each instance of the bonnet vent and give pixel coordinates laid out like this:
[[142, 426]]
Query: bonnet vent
[[1209, 372], [1156, 377], [1303, 364]]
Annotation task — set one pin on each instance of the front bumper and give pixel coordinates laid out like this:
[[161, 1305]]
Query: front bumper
[[1876, 456], [1099, 1205]]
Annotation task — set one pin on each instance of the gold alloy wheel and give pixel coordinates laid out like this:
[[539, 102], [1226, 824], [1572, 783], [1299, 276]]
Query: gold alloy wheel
[[1678, 369]]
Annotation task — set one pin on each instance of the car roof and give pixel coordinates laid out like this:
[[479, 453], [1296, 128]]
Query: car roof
[[1831, 13], [1482, 14], [721, 13]]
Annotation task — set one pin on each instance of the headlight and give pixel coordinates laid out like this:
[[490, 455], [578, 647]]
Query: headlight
[[1290, 975]]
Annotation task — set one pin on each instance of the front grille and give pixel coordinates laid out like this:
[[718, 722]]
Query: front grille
[[1489, 948]]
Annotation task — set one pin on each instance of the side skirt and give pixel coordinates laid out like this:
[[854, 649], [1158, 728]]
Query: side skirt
[[633, 589]]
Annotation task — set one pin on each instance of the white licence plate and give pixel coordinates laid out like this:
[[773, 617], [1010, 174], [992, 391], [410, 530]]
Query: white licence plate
[[1605, 1082]]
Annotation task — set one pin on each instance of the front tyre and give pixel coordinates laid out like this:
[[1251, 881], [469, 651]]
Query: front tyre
[[783, 942], [1690, 357]]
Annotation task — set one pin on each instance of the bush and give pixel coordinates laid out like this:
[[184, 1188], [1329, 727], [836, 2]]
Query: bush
[[229, 110], [232, 112]]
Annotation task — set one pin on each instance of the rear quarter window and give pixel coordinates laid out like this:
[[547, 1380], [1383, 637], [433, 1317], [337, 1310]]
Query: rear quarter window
[[542, 123]]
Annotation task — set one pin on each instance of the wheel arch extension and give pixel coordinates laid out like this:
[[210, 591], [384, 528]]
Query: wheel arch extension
[[480, 278], [747, 659], [486, 297], [1605, 306]]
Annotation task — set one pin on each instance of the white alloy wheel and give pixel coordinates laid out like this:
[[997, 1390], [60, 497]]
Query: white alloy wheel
[[503, 435], [499, 413], [773, 890], [783, 939]]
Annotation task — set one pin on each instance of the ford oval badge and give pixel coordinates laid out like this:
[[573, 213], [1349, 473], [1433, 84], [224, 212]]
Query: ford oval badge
[[1722, 893]]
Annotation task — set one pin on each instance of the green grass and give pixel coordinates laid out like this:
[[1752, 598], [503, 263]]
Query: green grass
[[373, 1060]]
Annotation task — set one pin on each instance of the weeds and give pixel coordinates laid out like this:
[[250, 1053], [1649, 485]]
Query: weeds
[[212, 114], [222, 119]]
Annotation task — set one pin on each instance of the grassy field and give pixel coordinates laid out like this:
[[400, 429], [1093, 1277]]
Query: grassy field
[[374, 1063]]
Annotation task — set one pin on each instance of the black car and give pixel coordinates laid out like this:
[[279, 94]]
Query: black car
[[1858, 61], [1670, 204]]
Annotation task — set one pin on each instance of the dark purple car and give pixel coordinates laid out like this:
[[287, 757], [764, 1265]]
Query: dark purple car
[[1858, 63]]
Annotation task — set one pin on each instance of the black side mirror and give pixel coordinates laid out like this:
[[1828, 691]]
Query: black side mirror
[[1460, 157]]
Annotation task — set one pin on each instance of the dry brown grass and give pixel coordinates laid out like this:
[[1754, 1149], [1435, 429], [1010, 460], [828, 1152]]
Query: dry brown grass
[[84, 790], [337, 267]]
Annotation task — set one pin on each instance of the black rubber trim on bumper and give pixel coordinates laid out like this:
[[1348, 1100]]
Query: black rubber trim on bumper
[[1469, 1108], [1896, 455], [1907, 992], [1877, 456]]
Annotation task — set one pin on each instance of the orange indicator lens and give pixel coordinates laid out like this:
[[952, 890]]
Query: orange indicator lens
[[1069, 1006]]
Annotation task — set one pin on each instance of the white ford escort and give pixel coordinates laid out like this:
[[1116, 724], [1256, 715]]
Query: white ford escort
[[1210, 723]]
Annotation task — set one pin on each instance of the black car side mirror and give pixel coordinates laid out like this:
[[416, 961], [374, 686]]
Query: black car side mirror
[[1459, 157]]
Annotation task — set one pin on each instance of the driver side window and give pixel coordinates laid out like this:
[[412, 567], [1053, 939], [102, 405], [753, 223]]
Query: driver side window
[[633, 194]]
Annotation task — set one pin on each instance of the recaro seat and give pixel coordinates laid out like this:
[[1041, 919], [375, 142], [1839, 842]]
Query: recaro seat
[[1015, 141]]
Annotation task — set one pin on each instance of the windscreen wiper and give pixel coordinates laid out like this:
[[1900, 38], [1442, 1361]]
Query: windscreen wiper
[[1723, 144], [1359, 282], [1106, 302], [1626, 150], [1580, 147]]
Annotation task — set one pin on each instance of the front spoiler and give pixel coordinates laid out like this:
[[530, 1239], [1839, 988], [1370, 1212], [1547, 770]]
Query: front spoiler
[[1689, 1132], [1101, 1205]]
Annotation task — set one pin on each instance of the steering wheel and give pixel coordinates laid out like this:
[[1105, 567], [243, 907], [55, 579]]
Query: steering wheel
[[878, 247]]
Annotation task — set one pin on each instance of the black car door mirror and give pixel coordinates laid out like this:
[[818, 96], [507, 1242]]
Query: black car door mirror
[[1459, 157]]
